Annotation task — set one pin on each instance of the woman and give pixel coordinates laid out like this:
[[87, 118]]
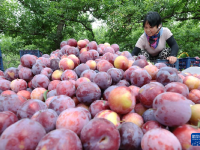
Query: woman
[[152, 43]]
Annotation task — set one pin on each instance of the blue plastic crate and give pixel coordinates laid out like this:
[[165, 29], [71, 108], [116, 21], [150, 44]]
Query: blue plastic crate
[[185, 63], [1, 61], [175, 65], [31, 52]]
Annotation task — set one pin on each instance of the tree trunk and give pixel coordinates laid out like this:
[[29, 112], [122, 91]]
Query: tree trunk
[[59, 35]]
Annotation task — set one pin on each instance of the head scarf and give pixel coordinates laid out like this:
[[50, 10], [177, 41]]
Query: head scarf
[[154, 40]]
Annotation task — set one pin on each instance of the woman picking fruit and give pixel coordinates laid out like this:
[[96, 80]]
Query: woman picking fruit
[[152, 43]]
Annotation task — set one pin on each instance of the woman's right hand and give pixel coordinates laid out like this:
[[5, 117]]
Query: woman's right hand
[[172, 59]]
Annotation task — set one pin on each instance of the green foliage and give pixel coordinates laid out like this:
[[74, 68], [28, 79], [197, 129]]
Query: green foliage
[[187, 37], [100, 34], [11, 45], [10, 60], [44, 24]]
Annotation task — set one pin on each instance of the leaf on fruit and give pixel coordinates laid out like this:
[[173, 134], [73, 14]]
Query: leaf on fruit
[[45, 94]]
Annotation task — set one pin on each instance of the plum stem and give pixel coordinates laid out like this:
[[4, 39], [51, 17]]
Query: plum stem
[[122, 121], [103, 139]]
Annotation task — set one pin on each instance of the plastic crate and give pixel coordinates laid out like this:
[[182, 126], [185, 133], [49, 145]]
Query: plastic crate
[[185, 63], [1, 61], [175, 65], [31, 52]]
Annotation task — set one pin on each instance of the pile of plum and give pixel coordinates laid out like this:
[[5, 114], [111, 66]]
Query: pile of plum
[[92, 96]]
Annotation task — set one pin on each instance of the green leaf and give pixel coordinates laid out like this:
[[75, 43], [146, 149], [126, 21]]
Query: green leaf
[[45, 94]]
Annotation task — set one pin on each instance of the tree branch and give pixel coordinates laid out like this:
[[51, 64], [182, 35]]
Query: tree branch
[[183, 19], [86, 27], [19, 31]]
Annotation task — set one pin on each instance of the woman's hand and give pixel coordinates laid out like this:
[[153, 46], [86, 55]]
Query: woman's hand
[[172, 59]]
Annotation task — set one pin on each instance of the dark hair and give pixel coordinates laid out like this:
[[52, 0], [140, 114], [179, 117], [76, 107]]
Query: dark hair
[[153, 18]]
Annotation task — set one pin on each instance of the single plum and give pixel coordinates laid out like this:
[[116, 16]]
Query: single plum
[[98, 106], [131, 136], [72, 118], [171, 109], [24, 134], [148, 92], [60, 139], [66, 88], [140, 77], [30, 107], [47, 118], [99, 134], [158, 139], [7, 118], [103, 80], [87, 92], [61, 103]]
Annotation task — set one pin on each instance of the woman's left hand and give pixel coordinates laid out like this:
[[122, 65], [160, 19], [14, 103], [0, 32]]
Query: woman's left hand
[[172, 59]]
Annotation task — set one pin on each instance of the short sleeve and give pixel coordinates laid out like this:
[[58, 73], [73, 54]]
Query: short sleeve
[[141, 42], [167, 33]]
